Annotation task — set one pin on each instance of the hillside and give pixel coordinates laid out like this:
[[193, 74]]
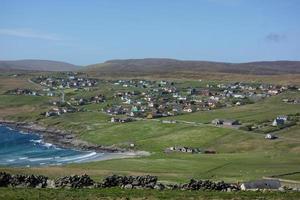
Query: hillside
[[152, 66], [241, 155], [36, 65]]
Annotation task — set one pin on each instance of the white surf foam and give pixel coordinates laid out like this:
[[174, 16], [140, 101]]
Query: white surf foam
[[9, 128], [36, 141], [39, 159], [80, 157], [48, 145], [23, 158], [41, 142]]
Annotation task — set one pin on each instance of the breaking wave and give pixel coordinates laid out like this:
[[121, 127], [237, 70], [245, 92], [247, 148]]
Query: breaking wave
[[20, 149]]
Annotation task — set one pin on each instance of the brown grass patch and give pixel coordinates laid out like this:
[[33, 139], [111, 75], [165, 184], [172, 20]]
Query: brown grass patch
[[5, 112], [9, 83]]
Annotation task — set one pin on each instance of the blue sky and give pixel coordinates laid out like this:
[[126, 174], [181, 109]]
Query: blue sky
[[90, 31]]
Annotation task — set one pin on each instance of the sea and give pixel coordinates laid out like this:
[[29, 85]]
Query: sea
[[21, 149]]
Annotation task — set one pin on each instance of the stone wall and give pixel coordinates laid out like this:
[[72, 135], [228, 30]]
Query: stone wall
[[126, 182]]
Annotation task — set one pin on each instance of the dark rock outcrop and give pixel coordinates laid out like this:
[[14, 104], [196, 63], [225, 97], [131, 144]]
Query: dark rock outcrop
[[22, 180], [125, 182], [130, 181], [208, 185], [74, 182], [28, 181], [4, 179]]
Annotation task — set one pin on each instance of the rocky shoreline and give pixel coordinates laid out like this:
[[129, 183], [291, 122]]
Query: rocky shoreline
[[65, 139]]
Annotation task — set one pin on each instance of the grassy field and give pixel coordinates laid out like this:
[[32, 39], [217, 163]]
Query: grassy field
[[241, 155], [115, 193], [9, 83], [180, 168], [263, 110]]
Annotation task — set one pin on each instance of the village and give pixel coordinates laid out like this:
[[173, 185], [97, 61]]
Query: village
[[144, 99], [163, 98], [65, 80], [130, 100]]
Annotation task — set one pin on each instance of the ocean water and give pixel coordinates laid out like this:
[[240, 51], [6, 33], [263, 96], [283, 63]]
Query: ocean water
[[18, 149]]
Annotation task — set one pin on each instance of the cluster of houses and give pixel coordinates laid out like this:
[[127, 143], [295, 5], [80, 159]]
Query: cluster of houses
[[121, 120], [282, 121], [165, 98], [80, 101], [57, 111], [52, 83], [153, 99], [269, 127], [31, 92], [136, 83], [69, 80], [20, 91], [71, 106], [184, 149]]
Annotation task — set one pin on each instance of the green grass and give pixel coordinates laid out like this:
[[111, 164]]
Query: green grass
[[155, 137], [181, 167], [116, 193], [17, 101], [241, 155], [295, 176], [23, 108], [80, 122], [263, 110]]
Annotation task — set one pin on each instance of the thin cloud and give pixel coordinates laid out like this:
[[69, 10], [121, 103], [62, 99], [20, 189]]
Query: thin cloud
[[29, 33], [275, 37]]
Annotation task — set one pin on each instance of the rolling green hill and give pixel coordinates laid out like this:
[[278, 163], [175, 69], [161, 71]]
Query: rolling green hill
[[153, 66], [36, 65]]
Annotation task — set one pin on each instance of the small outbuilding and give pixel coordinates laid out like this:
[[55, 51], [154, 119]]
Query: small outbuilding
[[231, 122], [270, 136], [225, 122], [280, 120], [217, 121], [261, 184]]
